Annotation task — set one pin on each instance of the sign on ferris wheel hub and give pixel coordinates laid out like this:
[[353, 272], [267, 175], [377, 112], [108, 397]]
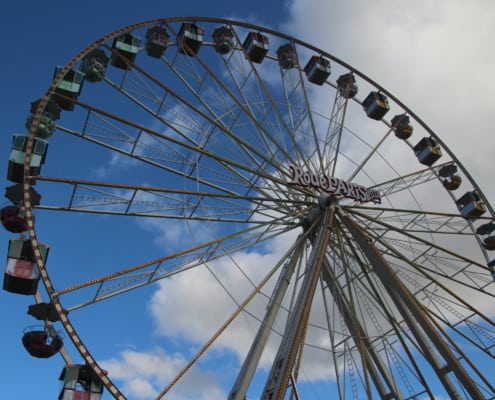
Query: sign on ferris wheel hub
[[333, 186]]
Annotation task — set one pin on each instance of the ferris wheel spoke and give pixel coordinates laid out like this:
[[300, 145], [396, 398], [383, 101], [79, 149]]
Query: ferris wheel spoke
[[189, 127], [440, 292], [151, 271], [371, 153], [406, 182], [364, 310], [483, 337], [412, 220], [243, 146], [419, 226], [448, 306], [213, 98], [160, 202], [217, 120], [269, 110], [372, 361], [298, 107], [385, 325], [433, 258], [218, 117], [334, 132], [217, 159], [264, 128], [469, 320], [417, 320]]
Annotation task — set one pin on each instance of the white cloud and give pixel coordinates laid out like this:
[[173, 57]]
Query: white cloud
[[146, 374], [117, 165], [207, 304]]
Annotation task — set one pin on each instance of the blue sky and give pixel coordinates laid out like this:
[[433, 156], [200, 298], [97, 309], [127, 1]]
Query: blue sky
[[431, 55]]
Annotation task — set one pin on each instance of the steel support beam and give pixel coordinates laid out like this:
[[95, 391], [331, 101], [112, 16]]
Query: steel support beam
[[241, 385], [416, 317], [380, 375], [282, 368]]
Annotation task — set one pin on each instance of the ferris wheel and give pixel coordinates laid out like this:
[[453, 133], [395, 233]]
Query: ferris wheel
[[338, 231]]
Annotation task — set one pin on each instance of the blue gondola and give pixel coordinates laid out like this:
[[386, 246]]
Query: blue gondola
[[376, 105], [427, 151], [470, 205]]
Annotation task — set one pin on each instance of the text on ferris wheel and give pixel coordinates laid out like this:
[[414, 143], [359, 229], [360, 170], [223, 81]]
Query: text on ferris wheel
[[333, 186]]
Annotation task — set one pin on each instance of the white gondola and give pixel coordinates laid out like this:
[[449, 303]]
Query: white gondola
[[15, 172], [191, 38], [80, 383], [21, 272], [68, 88], [125, 48]]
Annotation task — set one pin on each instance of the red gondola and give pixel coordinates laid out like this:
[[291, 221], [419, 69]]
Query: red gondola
[[39, 343], [13, 219]]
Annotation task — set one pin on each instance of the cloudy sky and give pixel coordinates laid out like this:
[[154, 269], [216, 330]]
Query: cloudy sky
[[435, 56]]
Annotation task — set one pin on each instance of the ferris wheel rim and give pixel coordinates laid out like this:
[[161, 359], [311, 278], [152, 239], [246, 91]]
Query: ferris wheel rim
[[33, 127]]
